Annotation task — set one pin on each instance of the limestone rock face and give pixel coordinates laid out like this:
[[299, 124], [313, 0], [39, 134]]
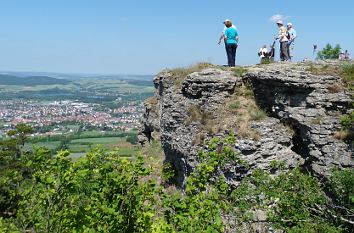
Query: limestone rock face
[[304, 114], [308, 103]]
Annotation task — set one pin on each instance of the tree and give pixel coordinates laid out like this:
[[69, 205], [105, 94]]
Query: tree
[[329, 52], [133, 139], [12, 168]]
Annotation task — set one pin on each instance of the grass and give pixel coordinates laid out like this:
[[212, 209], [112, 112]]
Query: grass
[[234, 105], [345, 71], [154, 158], [347, 74], [238, 114], [323, 69], [239, 71], [266, 61], [152, 100], [50, 145], [345, 135], [257, 114], [240, 111], [335, 88], [180, 74], [98, 141], [194, 113], [205, 120]]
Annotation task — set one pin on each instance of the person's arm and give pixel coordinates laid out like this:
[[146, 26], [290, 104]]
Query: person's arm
[[237, 36], [294, 35], [222, 36]]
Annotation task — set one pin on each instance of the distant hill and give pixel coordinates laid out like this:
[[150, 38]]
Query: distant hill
[[6, 79]]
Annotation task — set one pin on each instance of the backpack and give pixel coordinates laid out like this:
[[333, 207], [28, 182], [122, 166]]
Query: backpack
[[288, 35]]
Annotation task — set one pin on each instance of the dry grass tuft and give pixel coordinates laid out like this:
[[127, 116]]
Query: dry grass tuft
[[323, 69], [206, 122], [151, 101], [199, 139], [239, 112], [345, 71], [335, 88], [239, 71], [345, 135], [180, 74]]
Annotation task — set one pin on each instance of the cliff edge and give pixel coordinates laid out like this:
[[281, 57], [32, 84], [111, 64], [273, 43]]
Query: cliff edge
[[283, 115]]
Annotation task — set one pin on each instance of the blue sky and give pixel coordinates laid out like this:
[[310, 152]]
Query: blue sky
[[143, 37]]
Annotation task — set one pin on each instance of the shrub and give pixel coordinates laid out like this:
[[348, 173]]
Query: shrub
[[329, 52], [342, 186], [266, 61], [347, 121]]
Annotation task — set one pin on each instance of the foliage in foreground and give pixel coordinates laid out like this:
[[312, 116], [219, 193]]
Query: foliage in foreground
[[103, 192]]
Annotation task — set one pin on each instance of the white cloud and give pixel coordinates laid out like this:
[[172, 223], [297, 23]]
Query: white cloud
[[277, 17]]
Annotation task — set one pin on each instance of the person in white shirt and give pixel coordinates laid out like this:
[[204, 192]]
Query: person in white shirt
[[263, 53], [293, 36]]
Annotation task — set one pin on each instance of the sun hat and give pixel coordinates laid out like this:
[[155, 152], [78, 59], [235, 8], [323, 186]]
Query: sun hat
[[289, 24], [226, 20], [280, 22]]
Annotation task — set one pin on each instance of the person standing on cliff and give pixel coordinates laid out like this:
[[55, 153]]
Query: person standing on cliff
[[231, 39], [222, 36], [292, 34], [283, 39]]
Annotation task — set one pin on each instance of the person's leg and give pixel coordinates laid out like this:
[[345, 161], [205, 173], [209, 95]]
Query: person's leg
[[281, 52], [291, 50], [284, 48], [288, 48], [229, 54], [287, 51], [234, 54]]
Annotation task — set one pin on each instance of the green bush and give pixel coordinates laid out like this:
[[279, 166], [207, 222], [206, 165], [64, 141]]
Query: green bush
[[103, 192], [347, 121], [329, 52], [342, 186]]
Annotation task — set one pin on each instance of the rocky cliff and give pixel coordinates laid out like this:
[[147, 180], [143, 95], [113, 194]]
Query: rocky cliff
[[303, 103]]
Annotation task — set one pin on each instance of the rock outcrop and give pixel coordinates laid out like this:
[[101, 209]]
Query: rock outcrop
[[303, 109]]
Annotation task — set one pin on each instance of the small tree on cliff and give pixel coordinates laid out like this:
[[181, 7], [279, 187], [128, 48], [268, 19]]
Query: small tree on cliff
[[329, 52]]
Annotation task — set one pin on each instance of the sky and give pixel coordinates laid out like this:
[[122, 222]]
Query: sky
[[144, 37]]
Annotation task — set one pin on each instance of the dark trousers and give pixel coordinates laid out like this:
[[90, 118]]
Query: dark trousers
[[231, 54], [284, 53]]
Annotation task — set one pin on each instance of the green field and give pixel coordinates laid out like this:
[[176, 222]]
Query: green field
[[79, 147], [50, 145], [98, 141], [82, 88]]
